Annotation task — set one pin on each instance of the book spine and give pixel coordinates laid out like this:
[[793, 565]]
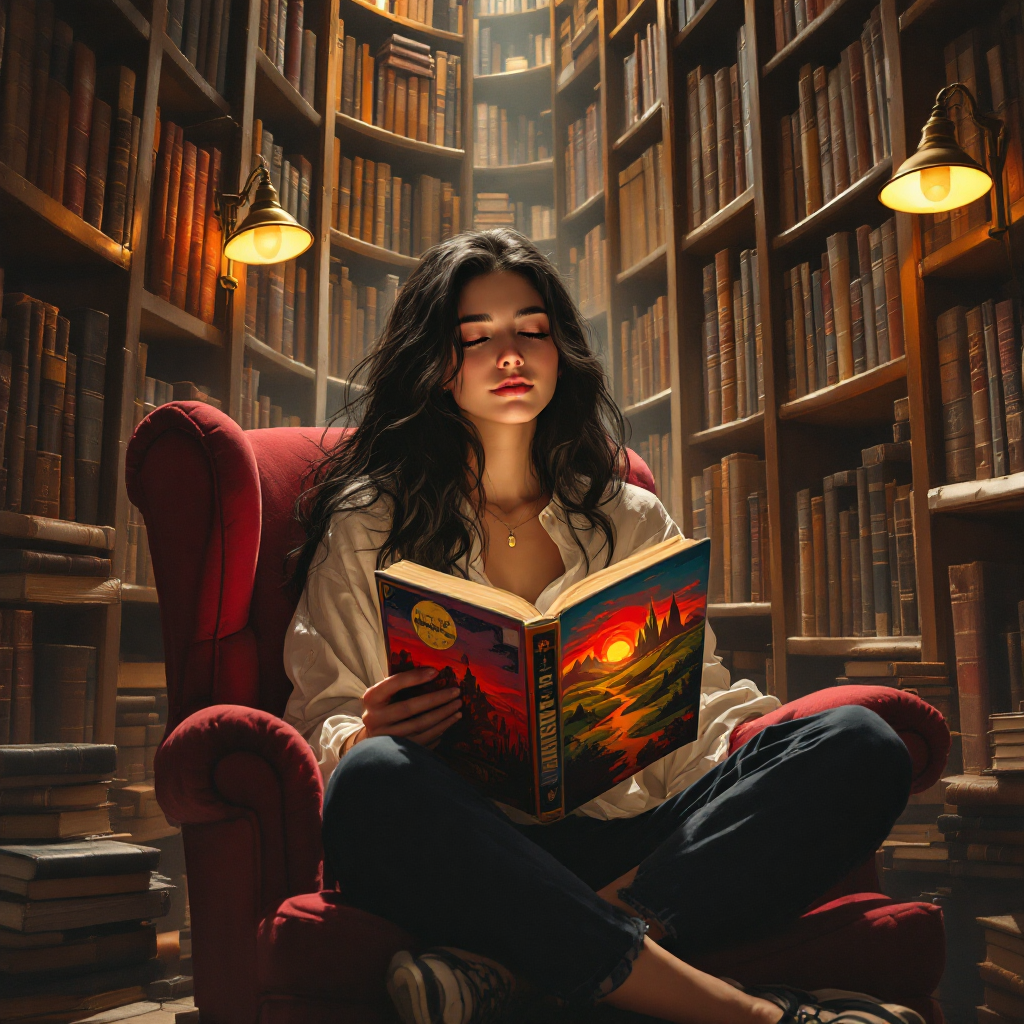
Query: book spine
[[881, 578], [22, 718], [1010, 366], [893, 296], [44, 27], [193, 277], [979, 395], [543, 647], [17, 86], [211, 245], [967, 599], [995, 391], [955, 391], [845, 578], [726, 335], [810, 150], [839, 278], [19, 332], [906, 567], [819, 544], [805, 546], [867, 590], [99, 152], [833, 557], [837, 132], [868, 295], [67, 457]]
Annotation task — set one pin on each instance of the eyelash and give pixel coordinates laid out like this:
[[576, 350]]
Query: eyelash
[[525, 334]]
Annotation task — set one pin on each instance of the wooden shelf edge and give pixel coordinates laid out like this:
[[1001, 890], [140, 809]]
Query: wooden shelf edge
[[624, 27], [1002, 493], [191, 74], [623, 141], [181, 321], [857, 386], [56, 531], [278, 359], [905, 647], [717, 221], [286, 90], [368, 249], [642, 266], [581, 211], [693, 25], [513, 76], [409, 23], [562, 88], [743, 610], [133, 16], [132, 593], [800, 40], [534, 166], [371, 131], [724, 431], [646, 404], [835, 206]]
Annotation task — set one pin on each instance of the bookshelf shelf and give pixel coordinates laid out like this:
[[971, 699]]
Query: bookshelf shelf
[[712, 20], [406, 24], [56, 532], [730, 226], [121, 18], [979, 497], [391, 143], [906, 648], [271, 361], [863, 399], [50, 235], [38, 588], [858, 199], [583, 36], [647, 405], [183, 90], [369, 251], [586, 214], [732, 436], [534, 77], [744, 610], [132, 593], [650, 268], [975, 253], [516, 16], [278, 101], [834, 27], [639, 135], [947, 17], [162, 320], [340, 383], [637, 16], [537, 172], [584, 74]]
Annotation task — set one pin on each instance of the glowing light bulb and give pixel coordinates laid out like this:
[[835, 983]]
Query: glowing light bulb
[[935, 183], [268, 238]]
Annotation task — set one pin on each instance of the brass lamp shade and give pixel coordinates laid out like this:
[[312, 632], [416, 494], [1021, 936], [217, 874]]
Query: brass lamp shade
[[269, 234], [940, 176]]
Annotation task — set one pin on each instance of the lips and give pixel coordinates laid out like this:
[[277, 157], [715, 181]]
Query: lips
[[513, 386]]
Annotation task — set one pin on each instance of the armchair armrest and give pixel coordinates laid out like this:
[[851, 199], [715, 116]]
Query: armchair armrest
[[921, 727], [248, 793]]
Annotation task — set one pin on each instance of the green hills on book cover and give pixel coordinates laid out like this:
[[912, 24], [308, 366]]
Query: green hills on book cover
[[559, 707]]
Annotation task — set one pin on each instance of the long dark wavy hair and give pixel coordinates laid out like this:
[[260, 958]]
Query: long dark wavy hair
[[413, 441]]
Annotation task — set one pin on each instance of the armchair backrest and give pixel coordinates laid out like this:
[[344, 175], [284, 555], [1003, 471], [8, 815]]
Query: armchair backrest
[[218, 505]]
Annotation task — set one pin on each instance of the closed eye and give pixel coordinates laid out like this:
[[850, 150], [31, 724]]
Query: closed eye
[[534, 334]]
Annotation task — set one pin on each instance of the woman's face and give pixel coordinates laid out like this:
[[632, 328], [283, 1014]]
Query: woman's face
[[510, 366]]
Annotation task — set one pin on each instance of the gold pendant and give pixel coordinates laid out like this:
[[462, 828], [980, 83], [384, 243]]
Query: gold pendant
[[511, 540]]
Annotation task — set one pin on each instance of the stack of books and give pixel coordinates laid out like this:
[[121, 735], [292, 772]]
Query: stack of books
[[980, 377], [256, 409], [52, 383], [575, 41], [504, 140], [847, 316], [70, 131], [491, 57], [791, 16], [1008, 741], [719, 148], [496, 209], [641, 207], [857, 569], [587, 280], [644, 353], [1002, 971], [641, 76], [732, 332], [139, 728], [730, 505], [200, 29], [584, 177], [284, 39], [358, 314], [840, 130], [184, 232]]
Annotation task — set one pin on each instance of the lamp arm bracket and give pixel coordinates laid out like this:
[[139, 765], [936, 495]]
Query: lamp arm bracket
[[994, 126]]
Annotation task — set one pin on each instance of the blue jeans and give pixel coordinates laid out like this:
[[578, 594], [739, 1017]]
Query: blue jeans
[[737, 856]]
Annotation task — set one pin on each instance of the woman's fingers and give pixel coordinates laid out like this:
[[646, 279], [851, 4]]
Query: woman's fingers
[[431, 737], [404, 710], [410, 726], [382, 692]]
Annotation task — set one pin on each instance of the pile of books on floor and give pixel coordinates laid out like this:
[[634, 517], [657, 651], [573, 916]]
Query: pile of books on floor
[[1007, 742], [1002, 971], [140, 725], [76, 906]]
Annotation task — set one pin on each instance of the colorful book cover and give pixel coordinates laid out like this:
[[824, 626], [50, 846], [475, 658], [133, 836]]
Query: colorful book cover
[[559, 708]]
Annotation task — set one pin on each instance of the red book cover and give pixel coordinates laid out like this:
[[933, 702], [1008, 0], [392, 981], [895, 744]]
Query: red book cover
[[557, 708]]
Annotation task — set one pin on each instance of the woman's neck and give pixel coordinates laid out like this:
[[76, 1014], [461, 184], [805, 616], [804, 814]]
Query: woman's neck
[[509, 478]]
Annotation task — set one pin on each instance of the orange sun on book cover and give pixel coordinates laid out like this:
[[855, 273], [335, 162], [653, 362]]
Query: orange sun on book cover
[[558, 707]]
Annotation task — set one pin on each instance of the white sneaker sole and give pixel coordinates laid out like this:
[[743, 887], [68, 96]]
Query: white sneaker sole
[[407, 989]]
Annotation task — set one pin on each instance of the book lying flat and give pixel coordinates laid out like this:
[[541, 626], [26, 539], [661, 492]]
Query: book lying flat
[[89, 821], [62, 888], [76, 859], [28, 798], [92, 952], [81, 912], [61, 759], [559, 707]]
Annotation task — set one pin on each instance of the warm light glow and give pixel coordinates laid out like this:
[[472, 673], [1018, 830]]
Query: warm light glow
[[618, 650], [268, 243], [935, 189], [267, 240]]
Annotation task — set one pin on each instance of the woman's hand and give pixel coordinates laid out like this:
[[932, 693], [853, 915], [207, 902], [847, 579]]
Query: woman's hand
[[421, 719]]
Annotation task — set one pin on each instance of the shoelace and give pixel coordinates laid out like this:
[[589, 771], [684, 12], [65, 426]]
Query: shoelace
[[489, 989]]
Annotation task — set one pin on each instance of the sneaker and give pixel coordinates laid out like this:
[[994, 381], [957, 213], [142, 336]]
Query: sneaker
[[832, 1006], [444, 985]]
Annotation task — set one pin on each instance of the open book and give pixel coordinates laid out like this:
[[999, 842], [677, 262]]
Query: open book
[[559, 707]]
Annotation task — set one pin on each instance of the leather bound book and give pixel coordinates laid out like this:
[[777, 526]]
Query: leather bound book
[[301, 302], [19, 310], [99, 155], [906, 566], [756, 554], [810, 340], [787, 172], [893, 295], [820, 344], [833, 568], [708, 144], [119, 85], [54, 145], [212, 243], [693, 147], [369, 200], [859, 102], [165, 279], [880, 568], [345, 195], [867, 585], [698, 518], [288, 324], [878, 285], [210, 55], [792, 377], [6, 675], [5, 405], [348, 76], [746, 477], [955, 390], [197, 234], [837, 133], [356, 202], [190, 29], [307, 79], [849, 116], [293, 43], [871, 96], [16, 100], [805, 563], [89, 333], [979, 395], [252, 278], [714, 519], [84, 858], [880, 77], [800, 198], [799, 338], [275, 307], [83, 89], [19, 622], [1010, 367], [366, 89], [810, 150], [821, 609], [61, 672], [42, 314], [158, 208], [183, 225], [262, 301], [43, 44], [839, 280], [856, 597], [67, 449], [845, 571], [995, 390], [723, 133], [305, 170], [857, 326], [203, 39], [48, 915], [726, 334], [819, 81], [380, 198], [738, 157]]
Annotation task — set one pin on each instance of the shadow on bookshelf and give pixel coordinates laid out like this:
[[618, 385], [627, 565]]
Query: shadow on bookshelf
[[279, 102], [641, 134], [648, 404], [732, 436], [164, 321], [862, 399], [183, 90], [583, 73], [975, 253], [945, 17], [644, 10]]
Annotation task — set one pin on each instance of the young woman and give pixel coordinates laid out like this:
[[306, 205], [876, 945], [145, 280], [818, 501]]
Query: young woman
[[490, 447]]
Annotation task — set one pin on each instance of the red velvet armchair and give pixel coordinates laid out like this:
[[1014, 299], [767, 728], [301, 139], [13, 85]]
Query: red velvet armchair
[[270, 942]]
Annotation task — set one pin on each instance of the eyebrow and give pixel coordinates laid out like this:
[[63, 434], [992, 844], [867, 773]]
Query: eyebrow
[[476, 318]]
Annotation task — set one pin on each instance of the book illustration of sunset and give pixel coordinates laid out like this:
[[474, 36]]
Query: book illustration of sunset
[[493, 693], [631, 668]]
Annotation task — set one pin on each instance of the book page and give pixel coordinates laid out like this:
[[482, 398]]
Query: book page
[[631, 664]]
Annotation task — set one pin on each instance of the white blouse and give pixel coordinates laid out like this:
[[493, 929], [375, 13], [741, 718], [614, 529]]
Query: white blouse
[[334, 648]]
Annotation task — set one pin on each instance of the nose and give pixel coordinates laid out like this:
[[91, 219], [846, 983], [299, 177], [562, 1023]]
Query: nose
[[510, 357]]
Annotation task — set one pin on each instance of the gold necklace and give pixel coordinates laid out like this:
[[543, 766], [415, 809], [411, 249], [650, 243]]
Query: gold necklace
[[511, 529]]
